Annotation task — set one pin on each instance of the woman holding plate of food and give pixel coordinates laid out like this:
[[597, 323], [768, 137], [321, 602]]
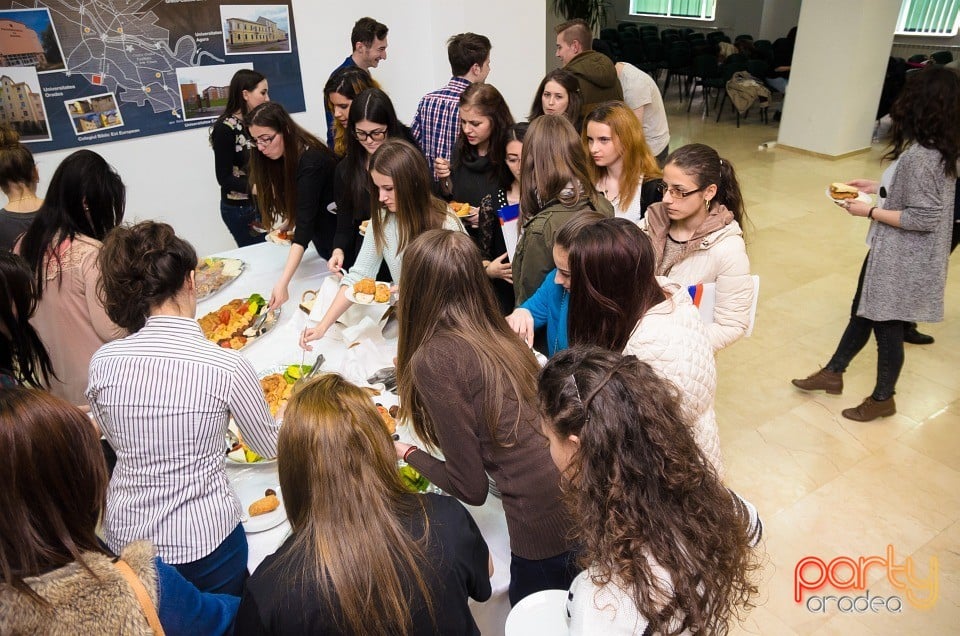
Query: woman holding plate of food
[[163, 397], [469, 386], [292, 173], [405, 208]]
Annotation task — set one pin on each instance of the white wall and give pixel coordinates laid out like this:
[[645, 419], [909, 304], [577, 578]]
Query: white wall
[[170, 177], [779, 16]]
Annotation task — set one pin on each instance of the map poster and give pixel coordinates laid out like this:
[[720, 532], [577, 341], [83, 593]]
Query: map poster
[[74, 74]]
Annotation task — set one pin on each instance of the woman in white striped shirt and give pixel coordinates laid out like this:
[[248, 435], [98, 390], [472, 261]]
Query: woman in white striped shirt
[[162, 397]]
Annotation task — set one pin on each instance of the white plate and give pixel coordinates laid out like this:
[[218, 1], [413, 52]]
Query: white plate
[[349, 294], [249, 488], [263, 462], [863, 197], [473, 212], [543, 612], [274, 238]]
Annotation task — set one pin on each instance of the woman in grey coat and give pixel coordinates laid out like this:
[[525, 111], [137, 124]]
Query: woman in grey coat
[[904, 273]]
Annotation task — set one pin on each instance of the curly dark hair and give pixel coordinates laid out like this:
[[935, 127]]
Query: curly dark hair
[[141, 267], [488, 101], [926, 113], [644, 494]]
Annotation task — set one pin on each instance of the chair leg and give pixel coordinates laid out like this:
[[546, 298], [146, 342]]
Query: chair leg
[[722, 102], [690, 102], [666, 82]]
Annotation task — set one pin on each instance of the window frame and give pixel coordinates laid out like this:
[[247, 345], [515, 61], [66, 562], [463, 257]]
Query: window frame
[[668, 14], [905, 8]]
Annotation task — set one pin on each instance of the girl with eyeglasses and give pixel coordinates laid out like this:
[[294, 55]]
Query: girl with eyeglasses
[[697, 235], [372, 121], [477, 172], [232, 144], [623, 169], [292, 173]]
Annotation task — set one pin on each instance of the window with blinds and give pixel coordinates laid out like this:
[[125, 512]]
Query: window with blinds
[[928, 17], [689, 9]]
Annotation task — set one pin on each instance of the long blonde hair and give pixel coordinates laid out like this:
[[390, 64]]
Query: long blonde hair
[[627, 134], [554, 167], [417, 209], [445, 291], [344, 499]]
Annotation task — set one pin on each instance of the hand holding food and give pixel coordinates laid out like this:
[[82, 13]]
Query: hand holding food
[[865, 185], [441, 168], [842, 191]]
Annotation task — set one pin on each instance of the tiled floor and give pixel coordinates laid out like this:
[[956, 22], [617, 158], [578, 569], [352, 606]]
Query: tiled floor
[[827, 486]]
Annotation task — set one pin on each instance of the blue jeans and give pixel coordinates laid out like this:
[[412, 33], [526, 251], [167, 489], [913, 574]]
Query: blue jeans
[[223, 571], [239, 219], [554, 573]]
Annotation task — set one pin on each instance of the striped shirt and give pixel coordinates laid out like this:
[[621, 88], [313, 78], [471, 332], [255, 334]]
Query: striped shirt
[[162, 397], [437, 122]]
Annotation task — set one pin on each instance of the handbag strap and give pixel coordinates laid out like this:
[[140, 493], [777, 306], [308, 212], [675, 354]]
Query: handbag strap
[[142, 597]]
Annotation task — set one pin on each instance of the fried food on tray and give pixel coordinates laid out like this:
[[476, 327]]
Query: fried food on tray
[[388, 420], [382, 293], [226, 325], [276, 391], [264, 505], [365, 286], [842, 191], [460, 209]]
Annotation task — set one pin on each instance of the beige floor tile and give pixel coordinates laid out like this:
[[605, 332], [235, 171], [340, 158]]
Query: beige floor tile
[[825, 485]]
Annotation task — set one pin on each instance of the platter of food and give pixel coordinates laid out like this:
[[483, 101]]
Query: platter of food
[[214, 273], [239, 453], [839, 192], [239, 322], [367, 291], [277, 384], [463, 210], [280, 237]]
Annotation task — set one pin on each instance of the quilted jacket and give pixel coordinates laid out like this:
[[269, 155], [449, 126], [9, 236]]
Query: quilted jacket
[[714, 254], [672, 338]]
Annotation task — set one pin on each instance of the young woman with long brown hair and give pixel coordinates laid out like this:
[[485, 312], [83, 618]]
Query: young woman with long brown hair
[[404, 209], [554, 186], [292, 172], [558, 94], [339, 92], [86, 199], [616, 302], [18, 181], [469, 386], [622, 167], [366, 556], [231, 145], [477, 172], [56, 576], [666, 548], [697, 234]]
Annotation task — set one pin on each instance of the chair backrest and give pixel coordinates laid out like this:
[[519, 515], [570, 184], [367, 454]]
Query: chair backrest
[[610, 34], [715, 36], [942, 57], [743, 36], [695, 36], [603, 46], [631, 51], [758, 68], [763, 44], [653, 51], [685, 32], [705, 66], [629, 34]]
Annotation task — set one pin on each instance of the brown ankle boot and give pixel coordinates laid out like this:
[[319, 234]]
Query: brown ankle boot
[[822, 380], [870, 410]]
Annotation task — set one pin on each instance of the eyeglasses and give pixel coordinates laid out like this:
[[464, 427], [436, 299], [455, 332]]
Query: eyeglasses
[[674, 192], [265, 140], [375, 135]]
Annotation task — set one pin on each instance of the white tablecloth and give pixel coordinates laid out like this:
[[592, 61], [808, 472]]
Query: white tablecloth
[[264, 263]]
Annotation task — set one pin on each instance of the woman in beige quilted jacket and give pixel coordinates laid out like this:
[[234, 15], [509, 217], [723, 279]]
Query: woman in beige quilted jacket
[[697, 235], [616, 302]]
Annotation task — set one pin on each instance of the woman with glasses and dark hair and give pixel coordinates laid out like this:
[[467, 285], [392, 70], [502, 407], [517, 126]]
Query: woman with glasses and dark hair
[[292, 172], [56, 576], [372, 120], [84, 202], [697, 235], [231, 144]]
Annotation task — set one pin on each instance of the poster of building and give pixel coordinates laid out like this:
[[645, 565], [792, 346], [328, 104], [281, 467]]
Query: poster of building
[[106, 72]]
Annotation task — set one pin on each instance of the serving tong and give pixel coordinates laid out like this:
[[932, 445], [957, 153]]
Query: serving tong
[[386, 376], [312, 372]]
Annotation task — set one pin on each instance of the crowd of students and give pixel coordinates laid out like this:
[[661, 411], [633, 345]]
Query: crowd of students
[[625, 506]]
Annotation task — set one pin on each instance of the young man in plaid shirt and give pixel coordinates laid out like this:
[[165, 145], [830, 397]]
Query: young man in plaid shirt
[[437, 122]]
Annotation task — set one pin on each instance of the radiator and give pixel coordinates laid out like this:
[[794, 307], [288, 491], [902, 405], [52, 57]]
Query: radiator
[[905, 50]]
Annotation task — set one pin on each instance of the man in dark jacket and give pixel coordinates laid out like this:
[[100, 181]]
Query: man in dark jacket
[[595, 72]]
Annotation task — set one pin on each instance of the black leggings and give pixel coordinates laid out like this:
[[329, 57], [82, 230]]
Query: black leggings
[[889, 335]]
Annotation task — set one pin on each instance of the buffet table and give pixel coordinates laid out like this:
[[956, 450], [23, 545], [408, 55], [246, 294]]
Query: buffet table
[[280, 347]]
